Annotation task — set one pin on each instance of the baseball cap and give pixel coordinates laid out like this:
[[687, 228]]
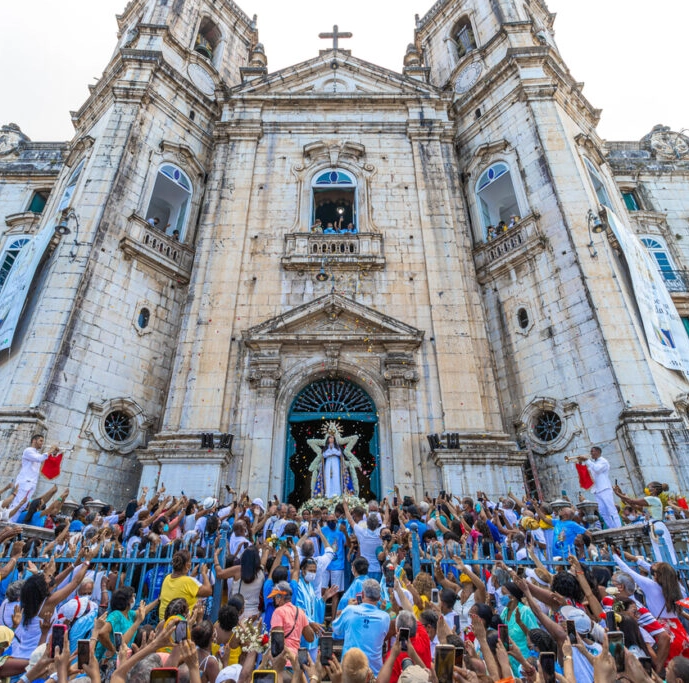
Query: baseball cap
[[229, 674], [281, 589], [414, 674], [259, 503], [581, 620]]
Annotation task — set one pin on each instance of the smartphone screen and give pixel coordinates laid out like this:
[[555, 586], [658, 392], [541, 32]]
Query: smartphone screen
[[181, 632], [610, 622], [167, 675], [646, 664], [403, 636], [303, 657], [326, 645], [504, 636], [547, 661], [572, 632], [444, 663], [83, 653], [277, 642], [616, 645], [58, 638], [389, 577], [264, 677], [435, 596], [118, 641], [359, 598], [457, 630], [459, 657]]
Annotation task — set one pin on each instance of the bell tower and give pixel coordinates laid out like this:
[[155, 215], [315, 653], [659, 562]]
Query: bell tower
[[570, 355]]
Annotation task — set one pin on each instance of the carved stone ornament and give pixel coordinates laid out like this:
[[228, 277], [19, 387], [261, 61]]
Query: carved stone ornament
[[10, 139], [399, 370], [669, 145], [265, 371]]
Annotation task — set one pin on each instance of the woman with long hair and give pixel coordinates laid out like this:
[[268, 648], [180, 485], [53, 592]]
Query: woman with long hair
[[332, 468], [654, 505], [248, 580]]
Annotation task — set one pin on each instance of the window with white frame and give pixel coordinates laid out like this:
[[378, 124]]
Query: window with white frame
[[496, 197], [8, 256], [661, 256], [168, 209], [598, 184], [334, 199], [71, 186]]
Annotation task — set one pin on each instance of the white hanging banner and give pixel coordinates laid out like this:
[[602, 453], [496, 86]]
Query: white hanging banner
[[18, 283], [665, 332]]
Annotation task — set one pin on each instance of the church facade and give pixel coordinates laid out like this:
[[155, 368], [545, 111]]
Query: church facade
[[190, 317]]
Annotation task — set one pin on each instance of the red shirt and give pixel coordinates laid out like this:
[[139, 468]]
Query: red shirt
[[422, 646]]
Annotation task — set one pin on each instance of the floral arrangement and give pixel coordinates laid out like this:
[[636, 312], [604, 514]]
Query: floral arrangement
[[278, 543], [329, 504], [251, 637]]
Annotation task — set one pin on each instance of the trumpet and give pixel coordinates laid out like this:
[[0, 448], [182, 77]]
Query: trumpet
[[578, 458]]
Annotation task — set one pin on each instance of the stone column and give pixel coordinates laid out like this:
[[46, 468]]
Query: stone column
[[401, 376], [258, 475]]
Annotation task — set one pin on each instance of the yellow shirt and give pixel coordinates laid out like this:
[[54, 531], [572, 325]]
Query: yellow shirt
[[178, 587]]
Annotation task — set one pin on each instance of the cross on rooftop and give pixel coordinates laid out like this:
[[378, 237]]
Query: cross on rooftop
[[335, 35]]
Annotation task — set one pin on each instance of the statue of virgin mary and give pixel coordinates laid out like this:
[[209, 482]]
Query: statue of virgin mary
[[333, 471]]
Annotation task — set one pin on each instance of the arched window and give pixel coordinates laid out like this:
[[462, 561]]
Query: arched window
[[71, 186], [334, 199], [9, 255], [208, 39], [661, 256], [598, 185], [463, 37], [496, 198], [169, 206]]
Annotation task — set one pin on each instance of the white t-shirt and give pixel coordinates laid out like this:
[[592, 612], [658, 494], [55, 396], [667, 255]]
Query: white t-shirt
[[31, 465], [369, 541]]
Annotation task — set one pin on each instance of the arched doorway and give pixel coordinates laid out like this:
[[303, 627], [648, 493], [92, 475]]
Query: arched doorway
[[352, 409]]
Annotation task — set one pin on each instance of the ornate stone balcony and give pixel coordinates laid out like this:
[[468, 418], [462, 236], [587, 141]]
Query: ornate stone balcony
[[157, 250], [509, 249], [307, 250]]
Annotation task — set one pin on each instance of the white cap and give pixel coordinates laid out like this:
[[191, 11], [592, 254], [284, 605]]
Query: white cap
[[424, 507], [209, 503], [231, 673], [259, 503]]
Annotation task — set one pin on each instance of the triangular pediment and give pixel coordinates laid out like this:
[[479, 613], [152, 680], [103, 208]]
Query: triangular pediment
[[335, 74], [333, 319]]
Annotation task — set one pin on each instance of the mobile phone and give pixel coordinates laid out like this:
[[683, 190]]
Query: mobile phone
[[277, 642], [646, 664], [83, 653], [504, 636], [442, 494], [181, 632], [403, 636], [58, 638], [547, 662], [118, 641], [264, 677], [359, 598], [389, 577], [435, 596], [572, 632], [457, 630], [164, 674], [325, 643], [303, 657], [616, 645], [394, 501], [444, 663], [610, 622], [459, 657]]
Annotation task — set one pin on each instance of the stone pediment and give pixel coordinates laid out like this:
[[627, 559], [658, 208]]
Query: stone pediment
[[333, 319], [335, 74]]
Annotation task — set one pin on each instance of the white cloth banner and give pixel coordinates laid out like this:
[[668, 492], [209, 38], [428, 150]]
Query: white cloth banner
[[665, 332], [16, 288]]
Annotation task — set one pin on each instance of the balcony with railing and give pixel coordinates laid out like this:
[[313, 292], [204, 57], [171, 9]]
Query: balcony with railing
[[157, 250], [676, 280], [509, 248], [305, 250]]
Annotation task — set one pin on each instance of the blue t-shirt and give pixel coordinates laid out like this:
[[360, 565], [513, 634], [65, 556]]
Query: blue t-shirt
[[422, 528], [155, 586], [564, 535], [36, 519], [355, 587], [336, 536], [269, 603], [365, 627]]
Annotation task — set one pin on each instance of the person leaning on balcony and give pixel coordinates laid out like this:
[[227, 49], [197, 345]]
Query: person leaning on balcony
[[350, 229], [329, 229], [317, 226]]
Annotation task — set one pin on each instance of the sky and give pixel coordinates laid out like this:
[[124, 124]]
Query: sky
[[631, 56]]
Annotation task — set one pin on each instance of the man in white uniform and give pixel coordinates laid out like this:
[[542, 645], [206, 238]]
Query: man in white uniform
[[599, 468], [32, 459]]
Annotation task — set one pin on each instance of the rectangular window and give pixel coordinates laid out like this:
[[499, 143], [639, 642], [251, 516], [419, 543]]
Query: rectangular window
[[631, 200], [685, 320], [38, 201]]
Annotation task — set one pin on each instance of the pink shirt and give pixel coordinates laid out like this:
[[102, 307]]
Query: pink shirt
[[292, 620]]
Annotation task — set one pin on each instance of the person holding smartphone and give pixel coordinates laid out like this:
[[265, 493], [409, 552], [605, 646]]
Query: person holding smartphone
[[512, 598], [417, 639], [290, 619]]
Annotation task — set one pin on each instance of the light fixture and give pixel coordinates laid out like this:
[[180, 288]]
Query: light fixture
[[322, 276], [340, 210], [595, 226], [62, 229]]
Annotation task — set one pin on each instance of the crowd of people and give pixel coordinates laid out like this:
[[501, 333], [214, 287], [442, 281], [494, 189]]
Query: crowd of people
[[444, 588]]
